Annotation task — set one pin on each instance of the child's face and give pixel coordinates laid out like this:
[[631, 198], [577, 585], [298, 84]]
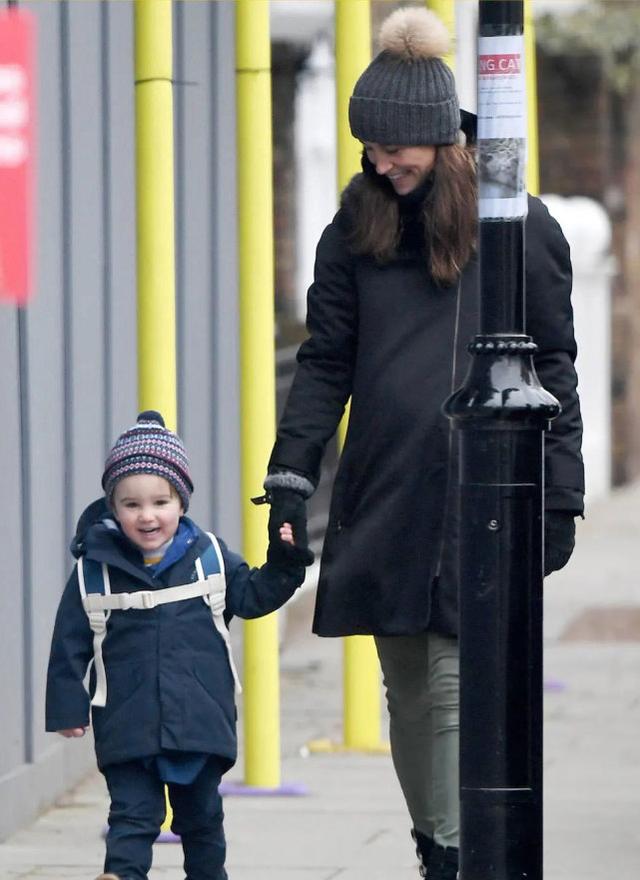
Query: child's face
[[148, 509]]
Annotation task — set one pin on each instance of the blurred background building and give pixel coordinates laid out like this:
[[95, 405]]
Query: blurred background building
[[69, 358]]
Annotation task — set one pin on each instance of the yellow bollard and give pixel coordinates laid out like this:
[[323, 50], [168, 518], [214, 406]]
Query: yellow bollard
[[155, 210], [353, 53], [361, 670], [446, 10], [155, 218], [255, 242], [533, 169]]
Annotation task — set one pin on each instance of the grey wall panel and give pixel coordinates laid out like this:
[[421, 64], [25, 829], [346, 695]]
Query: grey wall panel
[[74, 349], [87, 266], [31, 788], [223, 254], [11, 580], [121, 218], [46, 538], [196, 343]]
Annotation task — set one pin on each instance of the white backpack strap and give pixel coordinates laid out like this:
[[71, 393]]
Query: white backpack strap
[[216, 600], [142, 600], [98, 623]]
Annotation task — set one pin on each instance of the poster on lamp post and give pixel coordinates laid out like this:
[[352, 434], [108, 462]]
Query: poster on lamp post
[[502, 128], [16, 154]]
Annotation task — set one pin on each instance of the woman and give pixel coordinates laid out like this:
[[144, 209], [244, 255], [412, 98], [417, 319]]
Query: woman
[[391, 310]]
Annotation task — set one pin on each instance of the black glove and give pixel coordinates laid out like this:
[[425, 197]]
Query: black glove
[[288, 506], [559, 539]]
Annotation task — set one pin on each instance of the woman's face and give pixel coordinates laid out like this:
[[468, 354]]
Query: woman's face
[[404, 167]]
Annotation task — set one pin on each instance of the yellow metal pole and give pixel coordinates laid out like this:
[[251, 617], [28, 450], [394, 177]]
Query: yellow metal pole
[[155, 211], [255, 240], [446, 10], [533, 168], [153, 65], [361, 672], [353, 53]]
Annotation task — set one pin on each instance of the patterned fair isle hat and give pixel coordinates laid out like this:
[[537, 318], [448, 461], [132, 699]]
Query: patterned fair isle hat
[[149, 448]]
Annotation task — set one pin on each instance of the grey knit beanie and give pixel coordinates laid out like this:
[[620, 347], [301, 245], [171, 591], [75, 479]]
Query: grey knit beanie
[[407, 95]]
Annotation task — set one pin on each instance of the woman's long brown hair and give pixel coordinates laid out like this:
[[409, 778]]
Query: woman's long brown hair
[[449, 215]]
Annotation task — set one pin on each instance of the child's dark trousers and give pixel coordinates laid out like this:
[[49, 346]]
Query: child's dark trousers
[[138, 810]]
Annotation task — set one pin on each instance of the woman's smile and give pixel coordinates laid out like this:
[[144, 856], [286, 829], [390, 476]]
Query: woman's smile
[[404, 167]]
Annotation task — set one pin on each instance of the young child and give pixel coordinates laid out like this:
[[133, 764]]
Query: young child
[[162, 684]]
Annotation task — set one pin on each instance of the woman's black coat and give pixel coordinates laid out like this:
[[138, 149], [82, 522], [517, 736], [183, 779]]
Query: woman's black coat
[[388, 336]]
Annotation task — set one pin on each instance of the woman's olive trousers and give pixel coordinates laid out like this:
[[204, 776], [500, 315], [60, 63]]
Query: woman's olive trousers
[[421, 677]]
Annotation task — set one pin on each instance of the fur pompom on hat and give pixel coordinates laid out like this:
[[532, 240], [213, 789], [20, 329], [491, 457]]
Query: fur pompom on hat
[[148, 447], [407, 95], [414, 33]]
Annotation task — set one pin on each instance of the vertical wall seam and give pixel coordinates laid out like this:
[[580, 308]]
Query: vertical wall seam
[[107, 245], [180, 197], [66, 216], [214, 315], [26, 538]]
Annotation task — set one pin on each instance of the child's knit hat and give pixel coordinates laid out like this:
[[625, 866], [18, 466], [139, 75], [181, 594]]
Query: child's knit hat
[[407, 95], [148, 447]]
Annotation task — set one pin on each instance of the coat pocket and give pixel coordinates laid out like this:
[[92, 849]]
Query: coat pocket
[[125, 684]]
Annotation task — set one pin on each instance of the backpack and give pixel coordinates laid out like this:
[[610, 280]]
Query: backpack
[[98, 602]]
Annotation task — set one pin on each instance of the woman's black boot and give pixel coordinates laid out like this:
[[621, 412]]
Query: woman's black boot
[[443, 863], [424, 845]]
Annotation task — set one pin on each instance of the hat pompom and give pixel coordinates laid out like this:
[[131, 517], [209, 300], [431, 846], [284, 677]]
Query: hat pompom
[[412, 33], [150, 415]]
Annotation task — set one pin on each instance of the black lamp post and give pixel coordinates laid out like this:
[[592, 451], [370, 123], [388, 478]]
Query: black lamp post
[[501, 412]]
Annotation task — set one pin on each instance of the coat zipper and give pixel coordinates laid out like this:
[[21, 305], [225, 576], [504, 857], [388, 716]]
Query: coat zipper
[[454, 366]]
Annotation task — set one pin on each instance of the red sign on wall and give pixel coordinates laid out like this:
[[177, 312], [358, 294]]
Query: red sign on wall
[[17, 37]]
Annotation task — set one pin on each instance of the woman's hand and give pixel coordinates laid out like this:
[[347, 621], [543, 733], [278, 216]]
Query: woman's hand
[[288, 544], [73, 732]]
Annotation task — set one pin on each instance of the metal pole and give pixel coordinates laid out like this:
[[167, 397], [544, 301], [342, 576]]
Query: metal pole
[[353, 54], [446, 12], [361, 670], [155, 208], [157, 383], [533, 166], [501, 412], [257, 364]]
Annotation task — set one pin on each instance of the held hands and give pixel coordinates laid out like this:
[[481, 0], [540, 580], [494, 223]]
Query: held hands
[[286, 533], [288, 542], [559, 539]]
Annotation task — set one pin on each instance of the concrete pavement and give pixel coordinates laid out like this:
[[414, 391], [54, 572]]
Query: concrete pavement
[[351, 824]]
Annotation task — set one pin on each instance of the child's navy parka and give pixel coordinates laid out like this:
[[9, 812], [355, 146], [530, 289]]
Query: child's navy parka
[[170, 686]]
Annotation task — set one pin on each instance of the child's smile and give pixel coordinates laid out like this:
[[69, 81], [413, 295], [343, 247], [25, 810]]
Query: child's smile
[[148, 510]]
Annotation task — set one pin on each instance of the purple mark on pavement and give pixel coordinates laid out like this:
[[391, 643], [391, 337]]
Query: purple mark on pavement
[[554, 685], [288, 789]]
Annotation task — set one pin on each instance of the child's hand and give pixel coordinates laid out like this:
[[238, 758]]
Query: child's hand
[[73, 732], [286, 533], [283, 550]]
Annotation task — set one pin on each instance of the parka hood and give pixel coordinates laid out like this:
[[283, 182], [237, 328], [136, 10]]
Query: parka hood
[[97, 511]]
